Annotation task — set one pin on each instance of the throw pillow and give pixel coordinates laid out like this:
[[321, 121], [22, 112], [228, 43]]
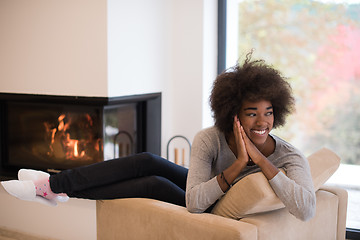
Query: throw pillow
[[323, 165]]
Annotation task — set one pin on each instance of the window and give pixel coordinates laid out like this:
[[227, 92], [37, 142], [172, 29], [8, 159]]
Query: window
[[316, 45]]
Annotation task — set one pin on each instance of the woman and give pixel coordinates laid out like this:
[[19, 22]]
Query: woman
[[248, 102]]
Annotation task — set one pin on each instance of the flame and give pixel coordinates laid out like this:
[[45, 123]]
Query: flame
[[76, 151], [62, 145], [61, 122]]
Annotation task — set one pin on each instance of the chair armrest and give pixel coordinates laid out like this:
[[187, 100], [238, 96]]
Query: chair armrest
[[140, 218], [343, 199]]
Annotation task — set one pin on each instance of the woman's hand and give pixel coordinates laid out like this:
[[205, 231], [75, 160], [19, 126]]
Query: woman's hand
[[242, 154], [253, 152], [232, 172], [258, 158]]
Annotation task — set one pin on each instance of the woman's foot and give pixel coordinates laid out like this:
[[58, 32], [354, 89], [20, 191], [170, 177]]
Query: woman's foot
[[33, 186], [29, 174], [42, 187], [25, 190], [41, 181]]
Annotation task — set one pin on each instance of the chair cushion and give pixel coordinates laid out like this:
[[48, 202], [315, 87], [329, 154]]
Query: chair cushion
[[323, 165], [256, 195]]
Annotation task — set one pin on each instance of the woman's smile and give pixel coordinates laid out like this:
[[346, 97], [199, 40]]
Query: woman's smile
[[258, 137], [259, 132], [257, 120]]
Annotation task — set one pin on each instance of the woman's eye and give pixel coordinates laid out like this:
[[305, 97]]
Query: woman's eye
[[251, 114], [269, 114]]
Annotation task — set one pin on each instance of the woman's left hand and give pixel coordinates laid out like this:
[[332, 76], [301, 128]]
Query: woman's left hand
[[242, 154], [258, 158], [252, 150]]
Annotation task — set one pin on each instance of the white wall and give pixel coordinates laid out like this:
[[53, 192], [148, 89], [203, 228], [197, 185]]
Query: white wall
[[140, 52], [53, 47], [186, 88], [169, 47], [109, 48], [139, 35], [209, 58]]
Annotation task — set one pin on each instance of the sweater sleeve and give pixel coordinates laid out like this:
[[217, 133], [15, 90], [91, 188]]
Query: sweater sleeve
[[202, 188], [295, 189]]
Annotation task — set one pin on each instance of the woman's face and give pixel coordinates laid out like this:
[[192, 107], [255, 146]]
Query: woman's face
[[257, 119]]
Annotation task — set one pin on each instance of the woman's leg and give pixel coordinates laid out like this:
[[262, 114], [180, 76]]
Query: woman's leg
[[143, 175], [115, 171], [154, 187]]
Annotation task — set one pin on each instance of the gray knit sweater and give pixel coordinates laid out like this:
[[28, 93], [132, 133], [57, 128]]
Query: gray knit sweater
[[210, 155]]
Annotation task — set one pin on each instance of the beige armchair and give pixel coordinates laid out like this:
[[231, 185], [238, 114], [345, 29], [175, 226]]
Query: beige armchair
[[151, 219]]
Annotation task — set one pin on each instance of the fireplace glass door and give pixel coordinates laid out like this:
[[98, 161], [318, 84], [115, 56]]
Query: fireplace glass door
[[56, 136], [61, 136]]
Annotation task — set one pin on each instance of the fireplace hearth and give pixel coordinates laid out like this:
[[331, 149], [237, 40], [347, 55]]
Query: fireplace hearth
[[53, 133]]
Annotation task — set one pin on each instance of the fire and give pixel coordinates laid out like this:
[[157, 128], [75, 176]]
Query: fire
[[76, 151], [73, 148], [61, 122], [63, 145]]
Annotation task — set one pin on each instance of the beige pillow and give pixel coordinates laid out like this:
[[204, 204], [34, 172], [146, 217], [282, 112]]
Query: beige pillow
[[253, 193], [323, 164]]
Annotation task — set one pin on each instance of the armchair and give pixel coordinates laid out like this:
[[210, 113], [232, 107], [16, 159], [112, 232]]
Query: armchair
[[151, 219]]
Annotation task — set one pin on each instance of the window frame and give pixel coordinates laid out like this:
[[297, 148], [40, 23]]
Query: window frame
[[351, 233], [222, 35]]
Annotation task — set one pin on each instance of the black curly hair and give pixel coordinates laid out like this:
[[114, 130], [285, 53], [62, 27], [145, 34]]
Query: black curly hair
[[253, 81]]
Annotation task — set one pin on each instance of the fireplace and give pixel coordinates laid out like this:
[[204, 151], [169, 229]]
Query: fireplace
[[53, 133]]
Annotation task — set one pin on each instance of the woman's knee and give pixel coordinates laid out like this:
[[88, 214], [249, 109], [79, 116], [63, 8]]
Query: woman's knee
[[150, 159], [147, 155]]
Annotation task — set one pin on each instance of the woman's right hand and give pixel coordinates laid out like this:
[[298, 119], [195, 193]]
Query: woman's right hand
[[232, 172], [242, 154]]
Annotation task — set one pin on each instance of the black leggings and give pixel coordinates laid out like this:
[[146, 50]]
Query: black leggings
[[143, 175]]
